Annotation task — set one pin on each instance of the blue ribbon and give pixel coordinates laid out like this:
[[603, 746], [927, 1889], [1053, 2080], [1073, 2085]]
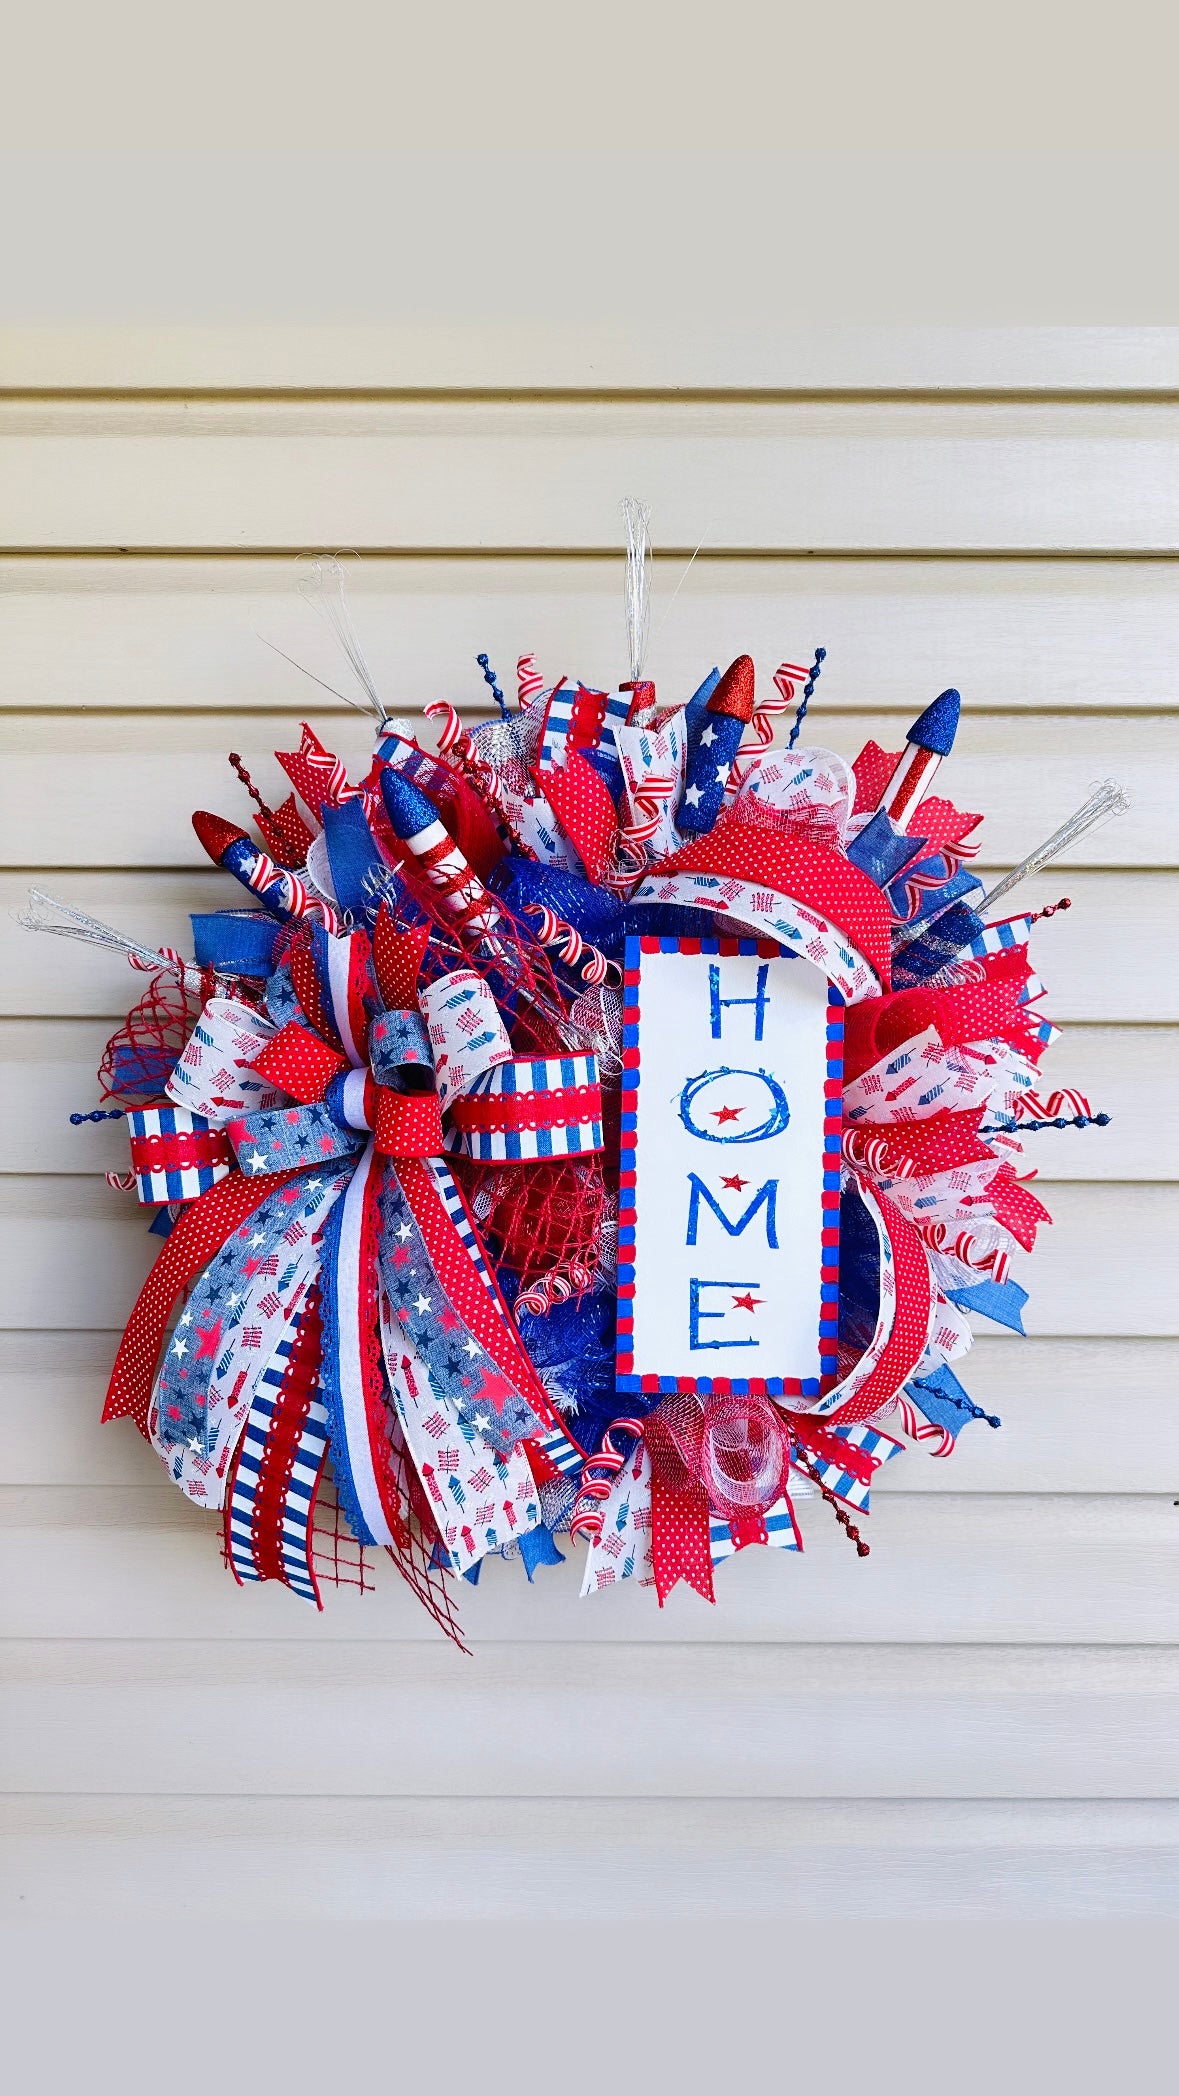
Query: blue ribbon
[[234, 942], [1001, 1301]]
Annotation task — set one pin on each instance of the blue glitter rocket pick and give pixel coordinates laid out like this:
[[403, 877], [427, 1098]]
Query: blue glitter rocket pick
[[406, 805], [936, 728]]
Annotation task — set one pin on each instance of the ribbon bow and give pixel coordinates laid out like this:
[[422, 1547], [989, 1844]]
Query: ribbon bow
[[402, 1276]]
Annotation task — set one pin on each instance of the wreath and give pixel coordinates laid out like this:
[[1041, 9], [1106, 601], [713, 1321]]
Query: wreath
[[387, 1116]]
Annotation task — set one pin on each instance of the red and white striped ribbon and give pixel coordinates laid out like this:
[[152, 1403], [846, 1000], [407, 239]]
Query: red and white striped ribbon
[[963, 1245], [919, 1428], [295, 898], [597, 1480], [870, 1153], [571, 948], [649, 805], [455, 743], [1032, 1106], [529, 681]]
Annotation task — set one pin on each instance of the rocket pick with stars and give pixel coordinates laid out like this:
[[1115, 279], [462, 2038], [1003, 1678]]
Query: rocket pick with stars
[[712, 750]]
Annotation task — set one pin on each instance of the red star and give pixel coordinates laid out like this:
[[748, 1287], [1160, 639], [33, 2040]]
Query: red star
[[400, 1256], [494, 1390], [727, 1113], [208, 1341], [735, 1182], [447, 1320], [746, 1302]]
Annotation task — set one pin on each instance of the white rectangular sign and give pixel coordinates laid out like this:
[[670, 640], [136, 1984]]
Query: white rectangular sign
[[729, 1204]]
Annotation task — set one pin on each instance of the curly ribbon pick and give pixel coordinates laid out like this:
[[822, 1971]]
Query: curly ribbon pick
[[456, 745], [529, 681], [570, 947], [761, 727], [597, 1478]]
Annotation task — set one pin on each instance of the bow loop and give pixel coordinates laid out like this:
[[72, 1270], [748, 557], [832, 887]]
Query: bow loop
[[735, 1449]]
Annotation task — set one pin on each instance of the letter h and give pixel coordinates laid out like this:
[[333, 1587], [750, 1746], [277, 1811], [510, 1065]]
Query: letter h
[[721, 1004]]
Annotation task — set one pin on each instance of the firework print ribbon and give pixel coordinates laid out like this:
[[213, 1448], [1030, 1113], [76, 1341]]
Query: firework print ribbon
[[652, 761], [481, 1498], [921, 1077], [814, 786], [217, 1075], [809, 898], [466, 1034]]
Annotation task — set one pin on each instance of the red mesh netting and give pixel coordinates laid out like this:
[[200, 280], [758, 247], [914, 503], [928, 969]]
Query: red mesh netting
[[414, 1552], [542, 1218], [337, 1559], [139, 1058]]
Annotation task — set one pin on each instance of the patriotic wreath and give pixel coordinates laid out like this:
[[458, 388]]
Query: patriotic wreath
[[386, 1116]]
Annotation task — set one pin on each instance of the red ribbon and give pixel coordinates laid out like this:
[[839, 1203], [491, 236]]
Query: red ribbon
[[404, 1124], [977, 1011], [809, 873], [296, 1061], [189, 1150], [910, 1326], [580, 800], [494, 1113]]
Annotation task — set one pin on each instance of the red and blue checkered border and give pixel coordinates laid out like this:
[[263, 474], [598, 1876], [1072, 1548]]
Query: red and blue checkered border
[[627, 1382]]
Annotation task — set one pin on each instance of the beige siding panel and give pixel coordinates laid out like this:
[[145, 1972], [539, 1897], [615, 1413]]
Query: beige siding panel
[[188, 634], [1079, 1415], [1110, 958], [442, 1859], [126, 797], [590, 354], [985, 1569], [378, 1721], [872, 476], [74, 1253], [68, 978], [47, 1072]]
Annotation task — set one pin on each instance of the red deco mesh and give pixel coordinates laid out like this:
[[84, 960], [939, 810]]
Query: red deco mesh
[[337, 1559], [140, 1057], [413, 1554], [542, 1217]]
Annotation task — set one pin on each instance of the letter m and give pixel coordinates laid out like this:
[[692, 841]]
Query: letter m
[[767, 1194]]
